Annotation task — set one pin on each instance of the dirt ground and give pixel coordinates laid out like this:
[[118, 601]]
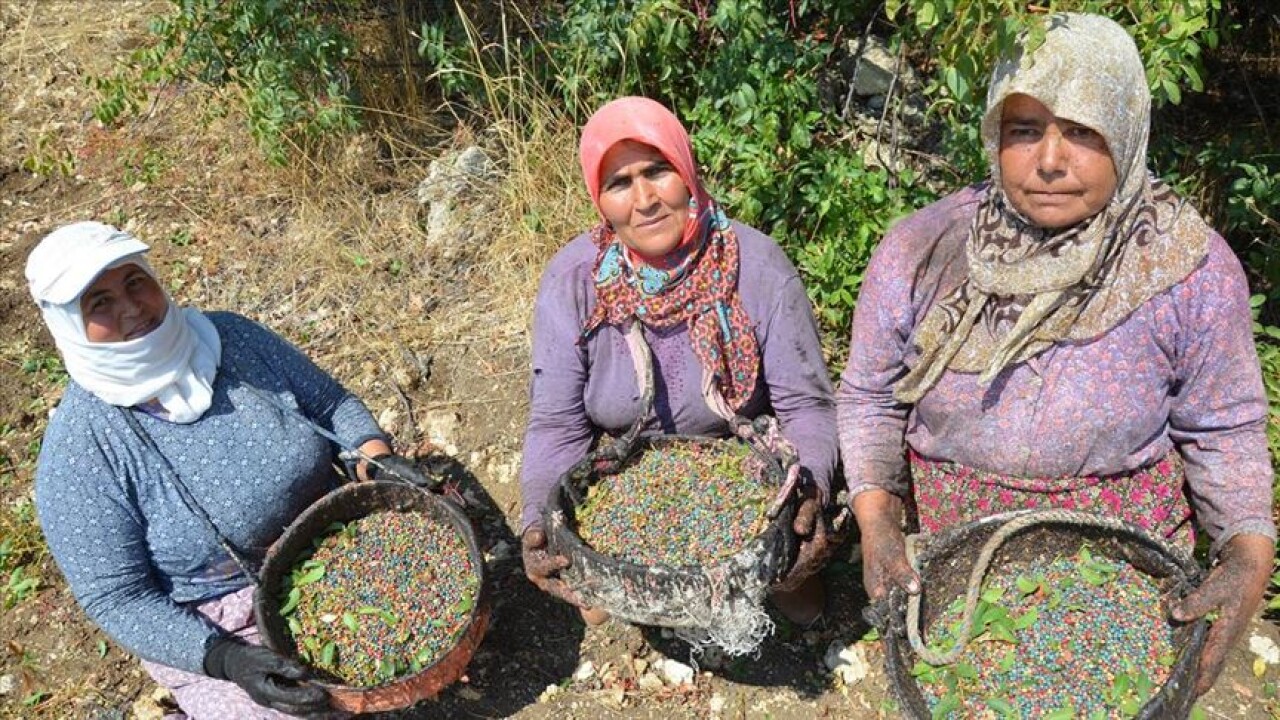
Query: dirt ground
[[432, 351]]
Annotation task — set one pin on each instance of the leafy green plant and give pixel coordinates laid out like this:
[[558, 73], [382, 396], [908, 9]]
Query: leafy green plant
[[283, 63], [49, 158]]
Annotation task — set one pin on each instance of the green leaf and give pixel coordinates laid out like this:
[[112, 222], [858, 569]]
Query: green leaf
[[1027, 585], [1062, 713], [350, 621], [966, 671], [1026, 620], [329, 654], [1004, 707], [1007, 661], [314, 573], [291, 601]]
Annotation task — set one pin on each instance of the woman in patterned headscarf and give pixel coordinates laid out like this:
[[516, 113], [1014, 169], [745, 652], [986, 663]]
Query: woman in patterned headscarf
[[1068, 334], [720, 306]]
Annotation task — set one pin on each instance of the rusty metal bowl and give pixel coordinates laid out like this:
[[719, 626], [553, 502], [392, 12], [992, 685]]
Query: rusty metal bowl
[[352, 502]]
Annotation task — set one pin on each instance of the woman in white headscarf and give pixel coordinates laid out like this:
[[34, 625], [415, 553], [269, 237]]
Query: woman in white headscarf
[[1069, 334], [169, 466]]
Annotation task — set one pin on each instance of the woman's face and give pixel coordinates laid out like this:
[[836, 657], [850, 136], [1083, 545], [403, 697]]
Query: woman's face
[[124, 303], [643, 198], [1054, 171]]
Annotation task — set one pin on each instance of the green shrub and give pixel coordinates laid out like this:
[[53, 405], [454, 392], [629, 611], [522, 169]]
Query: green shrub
[[282, 62]]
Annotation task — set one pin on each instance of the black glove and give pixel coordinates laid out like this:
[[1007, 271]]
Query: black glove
[[401, 467], [268, 678]]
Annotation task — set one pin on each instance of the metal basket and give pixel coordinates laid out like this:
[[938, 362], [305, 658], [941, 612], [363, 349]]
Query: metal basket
[[352, 502]]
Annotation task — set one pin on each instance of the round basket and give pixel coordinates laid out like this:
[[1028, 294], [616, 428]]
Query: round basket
[[352, 502], [659, 594], [946, 562]]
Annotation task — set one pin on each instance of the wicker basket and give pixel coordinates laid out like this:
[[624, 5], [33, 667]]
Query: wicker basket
[[945, 565], [352, 502]]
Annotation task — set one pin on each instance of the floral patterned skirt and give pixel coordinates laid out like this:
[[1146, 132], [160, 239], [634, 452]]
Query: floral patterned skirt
[[1151, 497]]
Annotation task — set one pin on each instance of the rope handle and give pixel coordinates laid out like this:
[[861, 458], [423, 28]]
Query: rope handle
[[979, 570]]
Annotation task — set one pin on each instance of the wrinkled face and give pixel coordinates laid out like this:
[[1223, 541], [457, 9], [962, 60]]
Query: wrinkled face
[[643, 198], [124, 303], [1054, 171]]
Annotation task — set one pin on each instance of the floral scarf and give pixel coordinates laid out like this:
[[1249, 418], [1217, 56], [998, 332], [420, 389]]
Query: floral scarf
[[701, 289]]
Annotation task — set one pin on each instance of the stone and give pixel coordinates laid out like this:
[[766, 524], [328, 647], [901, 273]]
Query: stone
[[716, 704], [649, 681], [674, 671], [441, 427], [550, 692], [6, 685], [584, 671], [874, 71], [1265, 648], [847, 662]]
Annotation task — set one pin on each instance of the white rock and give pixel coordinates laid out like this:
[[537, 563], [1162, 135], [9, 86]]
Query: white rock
[[551, 691], [674, 671], [716, 703], [6, 684], [848, 662], [441, 427], [1265, 648], [584, 671]]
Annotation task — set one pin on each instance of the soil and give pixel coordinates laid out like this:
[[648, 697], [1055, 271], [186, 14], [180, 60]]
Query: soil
[[453, 382]]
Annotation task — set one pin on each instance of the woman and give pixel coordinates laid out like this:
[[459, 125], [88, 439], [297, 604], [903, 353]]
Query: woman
[[172, 460], [1069, 334], [722, 308]]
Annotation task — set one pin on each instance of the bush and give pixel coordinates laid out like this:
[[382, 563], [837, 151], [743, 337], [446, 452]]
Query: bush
[[282, 62]]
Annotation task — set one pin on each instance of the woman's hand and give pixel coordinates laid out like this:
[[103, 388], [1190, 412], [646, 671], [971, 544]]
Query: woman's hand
[[884, 547], [815, 544], [1234, 588], [542, 568], [268, 678]]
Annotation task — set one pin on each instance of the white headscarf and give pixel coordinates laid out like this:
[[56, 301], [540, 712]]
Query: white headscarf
[[175, 364]]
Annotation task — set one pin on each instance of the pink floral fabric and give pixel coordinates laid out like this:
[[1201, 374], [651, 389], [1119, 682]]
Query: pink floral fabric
[[948, 494], [204, 698]]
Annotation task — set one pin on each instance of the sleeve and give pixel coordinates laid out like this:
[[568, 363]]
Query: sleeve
[[799, 389], [559, 432], [97, 536], [320, 397], [871, 424], [1219, 414]]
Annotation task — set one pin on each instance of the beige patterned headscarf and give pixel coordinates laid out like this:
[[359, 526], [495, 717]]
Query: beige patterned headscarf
[[1064, 285]]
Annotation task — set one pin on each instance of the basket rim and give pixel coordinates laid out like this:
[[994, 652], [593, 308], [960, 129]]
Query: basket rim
[[557, 523], [457, 519], [899, 655]]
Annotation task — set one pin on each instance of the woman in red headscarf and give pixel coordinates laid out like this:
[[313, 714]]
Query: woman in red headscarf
[[718, 303]]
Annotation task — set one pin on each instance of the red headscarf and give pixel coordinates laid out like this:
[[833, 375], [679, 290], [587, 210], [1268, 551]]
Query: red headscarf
[[703, 290]]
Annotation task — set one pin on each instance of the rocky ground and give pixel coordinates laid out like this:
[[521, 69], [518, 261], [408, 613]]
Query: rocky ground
[[434, 347]]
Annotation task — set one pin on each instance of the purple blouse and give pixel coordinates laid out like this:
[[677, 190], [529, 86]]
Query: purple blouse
[[578, 392], [1180, 372]]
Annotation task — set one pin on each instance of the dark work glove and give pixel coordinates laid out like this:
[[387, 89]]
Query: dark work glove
[[401, 467], [268, 678]]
